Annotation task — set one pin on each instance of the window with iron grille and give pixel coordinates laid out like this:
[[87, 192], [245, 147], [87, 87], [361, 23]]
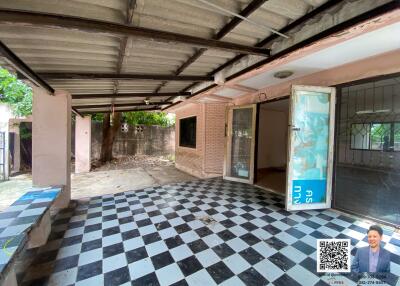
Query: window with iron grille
[[383, 136], [367, 161]]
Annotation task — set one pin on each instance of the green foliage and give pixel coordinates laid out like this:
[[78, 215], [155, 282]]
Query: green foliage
[[25, 132], [148, 118], [142, 118], [97, 117], [16, 93]]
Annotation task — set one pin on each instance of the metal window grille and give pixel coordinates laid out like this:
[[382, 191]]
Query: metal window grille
[[367, 161]]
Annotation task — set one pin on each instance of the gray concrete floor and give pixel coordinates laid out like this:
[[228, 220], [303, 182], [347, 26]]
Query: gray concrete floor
[[99, 183], [14, 188], [115, 181]]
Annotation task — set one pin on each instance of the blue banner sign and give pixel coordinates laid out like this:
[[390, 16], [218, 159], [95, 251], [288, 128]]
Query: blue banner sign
[[310, 142], [309, 191]]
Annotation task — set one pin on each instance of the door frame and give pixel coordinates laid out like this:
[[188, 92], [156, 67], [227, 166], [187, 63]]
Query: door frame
[[228, 145], [331, 150], [257, 131]]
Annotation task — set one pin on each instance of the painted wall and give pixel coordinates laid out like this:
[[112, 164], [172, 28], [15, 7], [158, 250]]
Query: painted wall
[[386, 63], [83, 136], [5, 115], [272, 138]]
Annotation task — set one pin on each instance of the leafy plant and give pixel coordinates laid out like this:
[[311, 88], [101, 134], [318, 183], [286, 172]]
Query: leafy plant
[[148, 118], [16, 93], [143, 118]]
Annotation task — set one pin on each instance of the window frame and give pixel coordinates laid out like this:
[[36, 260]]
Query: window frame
[[195, 133], [392, 129]]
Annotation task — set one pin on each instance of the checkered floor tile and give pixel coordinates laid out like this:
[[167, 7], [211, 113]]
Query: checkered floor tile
[[204, 232]]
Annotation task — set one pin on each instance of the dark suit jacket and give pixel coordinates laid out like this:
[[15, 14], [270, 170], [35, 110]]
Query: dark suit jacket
[[361, 260]]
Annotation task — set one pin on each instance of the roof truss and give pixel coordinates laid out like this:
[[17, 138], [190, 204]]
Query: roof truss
[[119, 76], [18, 17]]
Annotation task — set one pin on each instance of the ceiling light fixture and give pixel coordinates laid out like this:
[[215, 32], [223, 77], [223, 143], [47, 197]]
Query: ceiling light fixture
[[283, 74]]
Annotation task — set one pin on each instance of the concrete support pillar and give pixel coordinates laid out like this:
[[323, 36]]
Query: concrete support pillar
[[51, 142], [83, 137]]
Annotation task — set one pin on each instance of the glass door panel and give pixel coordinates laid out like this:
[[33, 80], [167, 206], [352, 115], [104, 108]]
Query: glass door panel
[[310, 148], [239, 155]]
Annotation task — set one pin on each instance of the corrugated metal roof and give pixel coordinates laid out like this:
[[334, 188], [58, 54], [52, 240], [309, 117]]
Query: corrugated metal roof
[[54, 50]]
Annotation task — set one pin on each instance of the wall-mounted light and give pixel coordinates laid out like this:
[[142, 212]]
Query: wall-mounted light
[[147, 101], [283, 74]]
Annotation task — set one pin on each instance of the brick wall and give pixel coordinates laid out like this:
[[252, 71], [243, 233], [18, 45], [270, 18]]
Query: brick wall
[[190, 160], [206, 160], [215, 138]]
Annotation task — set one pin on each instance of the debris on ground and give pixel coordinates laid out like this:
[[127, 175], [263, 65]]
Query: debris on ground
[[132, 161], [207, 220]]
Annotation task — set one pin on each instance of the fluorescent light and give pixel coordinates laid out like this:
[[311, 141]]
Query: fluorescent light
[[372, 112], [364, 112]]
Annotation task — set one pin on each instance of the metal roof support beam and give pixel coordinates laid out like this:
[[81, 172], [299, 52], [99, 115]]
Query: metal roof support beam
[[19, 17], [103, 76], [390, 6], [253, 6], [294, 24], [123, 95], [123, 110], [120, 105], [376, 12], [76, 112], [23, 68], [123, 49], [26, 71]]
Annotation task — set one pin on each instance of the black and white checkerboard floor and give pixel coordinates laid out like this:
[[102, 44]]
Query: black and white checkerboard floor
[[203, 232]]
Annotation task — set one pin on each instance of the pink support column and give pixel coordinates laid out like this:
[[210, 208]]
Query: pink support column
[[82, 144], [51, 142]]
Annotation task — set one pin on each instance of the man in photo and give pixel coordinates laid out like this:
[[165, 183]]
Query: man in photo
[[372, 258]]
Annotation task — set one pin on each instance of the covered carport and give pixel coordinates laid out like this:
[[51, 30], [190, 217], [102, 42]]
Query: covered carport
[[91, 57]]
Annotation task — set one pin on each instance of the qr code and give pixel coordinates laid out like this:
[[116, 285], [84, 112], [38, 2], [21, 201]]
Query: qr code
[[333, 255]]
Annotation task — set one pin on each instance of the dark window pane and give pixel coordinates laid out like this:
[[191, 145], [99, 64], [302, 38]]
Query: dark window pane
[[187, 132]]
